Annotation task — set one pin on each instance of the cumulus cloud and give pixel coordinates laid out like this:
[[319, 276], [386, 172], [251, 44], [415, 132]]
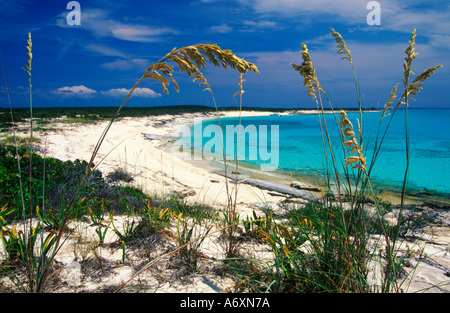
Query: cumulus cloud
[[75, 91], [123, 92]]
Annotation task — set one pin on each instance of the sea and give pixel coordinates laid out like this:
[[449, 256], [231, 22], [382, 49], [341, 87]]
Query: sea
[[295, 146]]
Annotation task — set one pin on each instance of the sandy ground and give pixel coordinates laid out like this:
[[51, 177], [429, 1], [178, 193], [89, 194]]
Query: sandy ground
[[150, 161], [141, 146]]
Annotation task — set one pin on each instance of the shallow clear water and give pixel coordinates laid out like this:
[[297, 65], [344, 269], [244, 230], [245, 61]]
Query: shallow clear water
[[299, 146]]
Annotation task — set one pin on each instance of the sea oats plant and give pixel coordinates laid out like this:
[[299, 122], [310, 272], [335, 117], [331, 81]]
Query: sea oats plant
[[230, 216], [190, 60], [410, 89], [31, 245], [188, 229], [354, 256]]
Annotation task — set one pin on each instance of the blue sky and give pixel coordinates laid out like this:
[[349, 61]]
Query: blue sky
[[95, 63]]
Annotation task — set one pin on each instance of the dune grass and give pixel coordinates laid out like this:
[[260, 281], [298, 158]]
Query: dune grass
[[348, 265], [327, 246], [190, 60]]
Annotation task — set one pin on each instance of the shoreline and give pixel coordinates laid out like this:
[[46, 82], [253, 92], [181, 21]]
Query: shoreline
[[384, 191], [141, 146], [156, 170]]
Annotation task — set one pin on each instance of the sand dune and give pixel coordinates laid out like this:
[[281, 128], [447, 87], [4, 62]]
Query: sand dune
[[142, 147]]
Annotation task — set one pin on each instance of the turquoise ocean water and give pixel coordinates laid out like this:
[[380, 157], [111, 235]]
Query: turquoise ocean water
[[300, 148]]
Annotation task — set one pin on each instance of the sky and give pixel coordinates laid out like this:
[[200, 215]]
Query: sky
[[97, 62]]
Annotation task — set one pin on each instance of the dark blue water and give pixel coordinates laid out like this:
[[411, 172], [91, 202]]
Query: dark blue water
[[300, 147]]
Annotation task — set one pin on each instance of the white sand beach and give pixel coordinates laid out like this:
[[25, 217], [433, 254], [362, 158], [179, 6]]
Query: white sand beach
[[141, 147]]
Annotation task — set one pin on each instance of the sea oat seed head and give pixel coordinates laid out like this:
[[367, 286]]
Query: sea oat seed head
[[30, 55], [352, 144], [416, 85], [190, 60], [308, 72], [391, 99], [342, 47]]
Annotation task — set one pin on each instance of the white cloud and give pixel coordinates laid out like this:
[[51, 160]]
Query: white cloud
[[378, 68], [223, 28], [99, 22], [428, 17], [75, 91], [123, 92], [125, 61], [263, 25], [126, 64], [430, 22], [138, 33], [104, 50], [347, 8], [260, 24], [440, 40]]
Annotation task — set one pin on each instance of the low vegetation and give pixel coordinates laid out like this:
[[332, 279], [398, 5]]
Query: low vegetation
[[326, 245]]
